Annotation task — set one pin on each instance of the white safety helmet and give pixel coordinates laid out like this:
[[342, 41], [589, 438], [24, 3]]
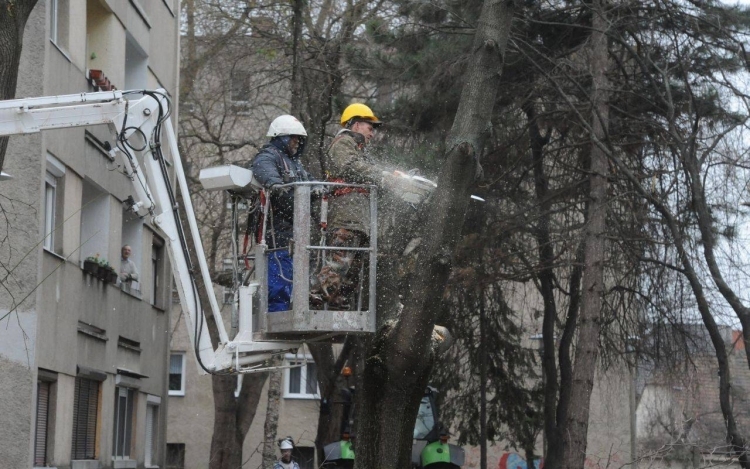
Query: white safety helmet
[[286, 125], [286, 443]]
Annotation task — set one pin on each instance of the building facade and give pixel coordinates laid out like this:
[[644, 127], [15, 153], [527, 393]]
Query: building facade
[[191, 407], [83, 360]]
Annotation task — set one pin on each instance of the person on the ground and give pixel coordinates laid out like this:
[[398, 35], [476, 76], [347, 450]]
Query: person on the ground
[[278, 163], [348, 207], [286, 446], [128, 270]]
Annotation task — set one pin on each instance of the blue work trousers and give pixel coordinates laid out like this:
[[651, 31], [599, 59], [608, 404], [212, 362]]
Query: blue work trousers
[[279, 281]]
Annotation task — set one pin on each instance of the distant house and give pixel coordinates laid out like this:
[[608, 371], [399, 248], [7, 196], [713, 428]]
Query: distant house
[[83, 362], [679, 417]]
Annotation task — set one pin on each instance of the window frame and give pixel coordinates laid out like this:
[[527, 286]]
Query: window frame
[[53, 189], [305, 456], [175, 449], [289, 360], [228, 296], [53, 17], [96, 393], [127, 426], [177, 392], [43, 419], [239, 97], [59, 27], [150, 450], [157, 265], [50, 210]]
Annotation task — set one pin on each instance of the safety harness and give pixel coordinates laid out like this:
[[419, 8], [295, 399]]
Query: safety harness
[[339, 190]]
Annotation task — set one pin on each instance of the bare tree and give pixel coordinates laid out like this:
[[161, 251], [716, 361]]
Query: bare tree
[[574, 437]]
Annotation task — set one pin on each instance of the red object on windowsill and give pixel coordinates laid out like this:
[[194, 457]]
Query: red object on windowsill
[[97, 79]]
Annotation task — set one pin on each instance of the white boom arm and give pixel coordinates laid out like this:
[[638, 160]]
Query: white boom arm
[[153, 196]]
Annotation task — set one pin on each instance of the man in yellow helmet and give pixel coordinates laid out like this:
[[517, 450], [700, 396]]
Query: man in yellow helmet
[[348, 208]]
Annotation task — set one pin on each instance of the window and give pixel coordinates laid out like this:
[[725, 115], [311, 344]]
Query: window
[[85, 408], [58, 22], [175, 456], [157, 249], [228, 296], [42, 417], [301, 381], [53, 20], [305, 456], [425, 419], [124, 401], [152, 431], [50, 202], [177, 374], [132, 235], [240, 86]]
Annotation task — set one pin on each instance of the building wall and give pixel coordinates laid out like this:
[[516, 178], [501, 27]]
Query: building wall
[[679, 417], [190, 420], [20, 200], [71, 324]]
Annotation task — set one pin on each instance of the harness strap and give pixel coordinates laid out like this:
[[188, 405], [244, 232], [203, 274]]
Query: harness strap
[[343, 190]]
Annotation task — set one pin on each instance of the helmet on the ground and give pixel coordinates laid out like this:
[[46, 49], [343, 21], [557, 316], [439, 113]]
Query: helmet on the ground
[[286, 125], [286, 443], [359, 111]]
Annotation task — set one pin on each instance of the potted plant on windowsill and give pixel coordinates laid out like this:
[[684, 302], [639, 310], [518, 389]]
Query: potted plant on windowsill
[[112, 276], [106, 272], [91, 265]]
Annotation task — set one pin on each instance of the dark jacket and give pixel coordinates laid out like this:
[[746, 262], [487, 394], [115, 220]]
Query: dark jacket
[[273, 166]]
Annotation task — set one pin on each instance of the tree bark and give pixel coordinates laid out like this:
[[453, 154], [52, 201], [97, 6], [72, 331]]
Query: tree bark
[[271, 424], [708, 241], [233, 413], [330, 381], [13, 17], [399, 360], [546, 287], [297, 107], [574, 438]]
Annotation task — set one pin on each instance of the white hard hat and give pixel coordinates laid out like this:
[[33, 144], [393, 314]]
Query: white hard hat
[[286, 443], [286, 125]]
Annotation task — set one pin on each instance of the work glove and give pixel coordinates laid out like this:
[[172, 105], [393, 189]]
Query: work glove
[[318, 191], [277, 188]]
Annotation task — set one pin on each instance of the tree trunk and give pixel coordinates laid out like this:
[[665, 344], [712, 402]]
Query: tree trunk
[[233, 413], [587, 348], [13, 17], [708, 241], [297, 108], [330, 381], [398, 363], [271, 425], [546, 286]]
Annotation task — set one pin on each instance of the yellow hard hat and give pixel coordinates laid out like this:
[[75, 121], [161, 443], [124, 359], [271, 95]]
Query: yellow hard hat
[[359, 111]]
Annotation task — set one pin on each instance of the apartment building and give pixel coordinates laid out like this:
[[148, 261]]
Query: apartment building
[[191, 407], [83, 361]]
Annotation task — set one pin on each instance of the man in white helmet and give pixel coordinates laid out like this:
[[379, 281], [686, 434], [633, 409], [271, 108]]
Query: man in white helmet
[[286, 446], [277, 163]]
